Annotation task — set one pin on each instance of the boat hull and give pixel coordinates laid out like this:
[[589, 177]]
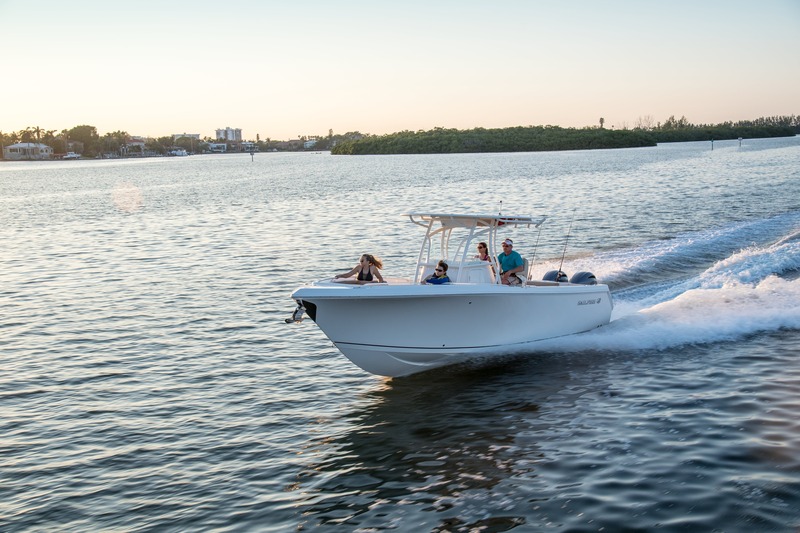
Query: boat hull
[[394, 331]]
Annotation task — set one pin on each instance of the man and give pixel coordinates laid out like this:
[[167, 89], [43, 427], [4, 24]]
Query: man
[[510, 264]]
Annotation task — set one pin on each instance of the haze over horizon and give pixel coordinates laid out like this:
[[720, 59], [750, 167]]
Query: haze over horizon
[[283, 70]]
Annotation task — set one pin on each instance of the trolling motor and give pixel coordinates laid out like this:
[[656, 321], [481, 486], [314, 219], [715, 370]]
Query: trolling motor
[[297, 314]]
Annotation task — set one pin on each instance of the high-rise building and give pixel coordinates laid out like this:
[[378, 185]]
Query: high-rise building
[[229, 134]]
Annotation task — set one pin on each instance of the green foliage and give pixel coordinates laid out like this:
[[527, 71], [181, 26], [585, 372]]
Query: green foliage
[[681, 130], [721, 133], [552, 138], [517, 139], [85, 138], [88, 136]]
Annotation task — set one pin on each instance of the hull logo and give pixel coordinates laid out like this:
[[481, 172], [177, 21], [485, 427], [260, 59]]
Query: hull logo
[[590, 302]]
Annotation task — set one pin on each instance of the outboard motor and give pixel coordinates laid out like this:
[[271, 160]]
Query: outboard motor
[[556, 275], [584, 278]]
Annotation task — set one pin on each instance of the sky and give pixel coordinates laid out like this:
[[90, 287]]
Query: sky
[[282, 70]]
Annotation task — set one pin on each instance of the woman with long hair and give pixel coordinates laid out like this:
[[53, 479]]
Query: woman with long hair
[[483, 252], [368, 270]]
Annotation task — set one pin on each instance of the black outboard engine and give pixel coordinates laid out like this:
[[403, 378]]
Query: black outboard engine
[[584, 278], [556, 275]]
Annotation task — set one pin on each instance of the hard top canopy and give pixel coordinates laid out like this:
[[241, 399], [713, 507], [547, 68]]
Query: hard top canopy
[[442, 228], [473, 220]]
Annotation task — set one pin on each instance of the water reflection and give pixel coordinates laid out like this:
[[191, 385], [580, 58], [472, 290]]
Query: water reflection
[[421, 443]]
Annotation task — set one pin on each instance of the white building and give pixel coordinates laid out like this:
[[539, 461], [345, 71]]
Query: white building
[[229, 134], [26, 151], [136, 142]]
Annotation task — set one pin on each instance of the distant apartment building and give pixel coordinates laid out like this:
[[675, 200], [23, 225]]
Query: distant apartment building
[[195, 136], [25, 151], [229, 134]]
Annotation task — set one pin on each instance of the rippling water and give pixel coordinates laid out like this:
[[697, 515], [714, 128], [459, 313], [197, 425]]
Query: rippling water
[[148, 382]]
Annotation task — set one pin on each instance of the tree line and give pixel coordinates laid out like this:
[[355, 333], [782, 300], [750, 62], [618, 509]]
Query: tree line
[[85, 140], [552, 138], [647, 132]]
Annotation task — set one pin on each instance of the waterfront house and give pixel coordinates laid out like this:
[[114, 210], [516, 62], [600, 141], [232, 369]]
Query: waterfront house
[[27, 151]]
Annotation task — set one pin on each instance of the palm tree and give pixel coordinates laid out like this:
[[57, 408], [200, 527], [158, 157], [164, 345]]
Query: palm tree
[[122, 140], [65, 138], [602, 121], [26, 136], [48, 136], [37, 132]]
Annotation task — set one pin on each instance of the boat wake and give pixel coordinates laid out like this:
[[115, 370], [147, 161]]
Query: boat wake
[[744, 291]]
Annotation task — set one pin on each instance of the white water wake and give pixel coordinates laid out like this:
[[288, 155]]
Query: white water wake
[[753, 290]]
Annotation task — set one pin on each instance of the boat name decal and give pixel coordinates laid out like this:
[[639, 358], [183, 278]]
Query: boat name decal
[[590, 302]]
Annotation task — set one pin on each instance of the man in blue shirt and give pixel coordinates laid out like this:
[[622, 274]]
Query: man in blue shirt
[[510, 264]]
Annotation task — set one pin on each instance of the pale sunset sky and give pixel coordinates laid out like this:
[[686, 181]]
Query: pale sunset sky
[[292, 68]]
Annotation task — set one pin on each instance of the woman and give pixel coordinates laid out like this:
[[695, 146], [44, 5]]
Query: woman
[[483, 252], [368, 269]]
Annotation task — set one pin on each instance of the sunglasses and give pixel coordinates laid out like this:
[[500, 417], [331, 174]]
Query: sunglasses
[[439, 270], [481, 247]]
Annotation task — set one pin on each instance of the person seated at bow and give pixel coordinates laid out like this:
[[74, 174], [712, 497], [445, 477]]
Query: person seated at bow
[[368, 269], [439, 275], [511, 264]]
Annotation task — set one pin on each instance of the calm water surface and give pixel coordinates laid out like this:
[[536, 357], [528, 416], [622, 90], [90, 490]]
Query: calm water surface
[[148, 382]]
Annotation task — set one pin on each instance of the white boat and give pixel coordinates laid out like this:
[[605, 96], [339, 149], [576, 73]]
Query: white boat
[[401, 327], [71, 155]]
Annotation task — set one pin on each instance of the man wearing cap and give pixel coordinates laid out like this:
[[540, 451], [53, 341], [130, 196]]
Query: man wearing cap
[[510, 263]]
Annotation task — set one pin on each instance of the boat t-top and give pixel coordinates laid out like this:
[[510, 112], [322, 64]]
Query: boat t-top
[[476, 315]]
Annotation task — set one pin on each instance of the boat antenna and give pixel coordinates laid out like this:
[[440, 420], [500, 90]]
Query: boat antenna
[[535, 248], [567, 240]]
